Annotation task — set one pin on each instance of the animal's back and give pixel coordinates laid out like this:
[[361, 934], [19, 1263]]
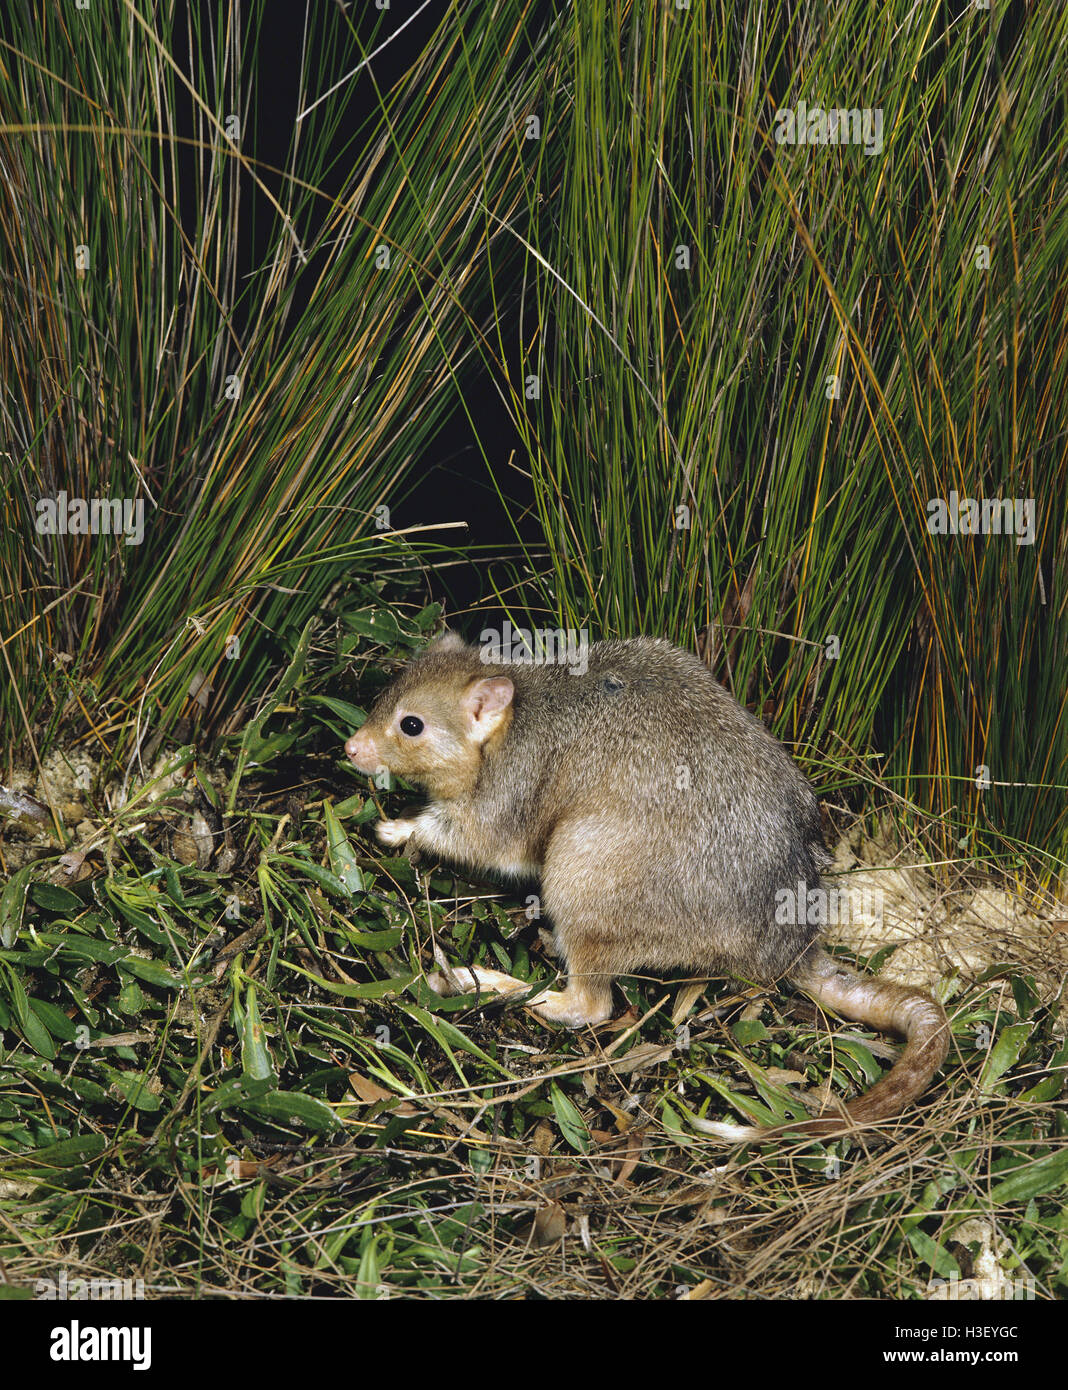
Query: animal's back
[[679, 804]]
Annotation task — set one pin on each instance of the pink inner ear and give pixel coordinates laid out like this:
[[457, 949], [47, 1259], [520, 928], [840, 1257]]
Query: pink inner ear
[[489, 696]]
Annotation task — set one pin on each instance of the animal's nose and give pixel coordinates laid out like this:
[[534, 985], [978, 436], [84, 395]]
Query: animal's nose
[[361, 751]]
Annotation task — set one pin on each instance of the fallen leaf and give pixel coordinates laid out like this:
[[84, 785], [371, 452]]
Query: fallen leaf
[[542, 1139], [686, 998], [368, 1091], [699, 1291], [621, 1154], [647, 1054], [549, 1225]]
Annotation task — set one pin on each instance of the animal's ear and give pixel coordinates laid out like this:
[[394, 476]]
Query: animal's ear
[[486, 704], [447, 642]]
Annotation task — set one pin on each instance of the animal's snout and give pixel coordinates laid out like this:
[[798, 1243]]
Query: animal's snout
[[361, 751]]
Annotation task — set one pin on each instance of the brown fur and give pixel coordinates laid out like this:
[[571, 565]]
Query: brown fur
[[662, 819]]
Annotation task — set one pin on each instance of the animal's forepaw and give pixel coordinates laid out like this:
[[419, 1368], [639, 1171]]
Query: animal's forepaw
[[395, 832]]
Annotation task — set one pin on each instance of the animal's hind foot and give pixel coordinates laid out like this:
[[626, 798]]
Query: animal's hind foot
[[574, 1006]]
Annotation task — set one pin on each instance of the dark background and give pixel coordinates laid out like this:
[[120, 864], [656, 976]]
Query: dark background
[[451, 483]]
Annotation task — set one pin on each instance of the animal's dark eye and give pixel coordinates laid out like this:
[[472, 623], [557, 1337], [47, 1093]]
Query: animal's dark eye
[[411, 725]]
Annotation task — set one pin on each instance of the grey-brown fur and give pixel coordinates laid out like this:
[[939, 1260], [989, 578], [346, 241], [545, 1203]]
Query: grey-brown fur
[[661, 817]]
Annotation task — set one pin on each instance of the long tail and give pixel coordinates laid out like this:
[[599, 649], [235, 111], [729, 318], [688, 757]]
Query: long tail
[[892, 1009]]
